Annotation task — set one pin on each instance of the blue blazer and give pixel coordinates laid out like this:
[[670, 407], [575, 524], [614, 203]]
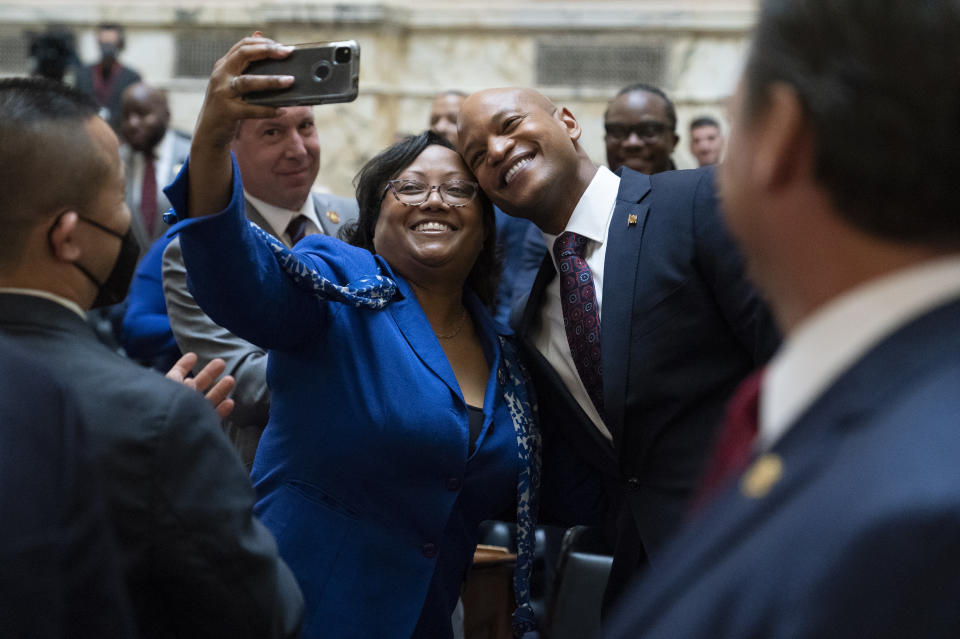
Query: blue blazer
[[363, 472], [681, 326], [857, 538], [146, 334]]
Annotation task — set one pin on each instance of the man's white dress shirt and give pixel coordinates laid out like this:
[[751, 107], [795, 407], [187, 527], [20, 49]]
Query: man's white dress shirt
[[591, 219], [836, 336], [279, 218]]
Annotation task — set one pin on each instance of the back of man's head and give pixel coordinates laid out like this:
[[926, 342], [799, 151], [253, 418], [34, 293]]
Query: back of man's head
[[47, 161], [877, 81]]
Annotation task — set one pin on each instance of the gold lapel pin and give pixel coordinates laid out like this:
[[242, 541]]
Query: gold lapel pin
[[631, 219], [761, 476], [333, 217]]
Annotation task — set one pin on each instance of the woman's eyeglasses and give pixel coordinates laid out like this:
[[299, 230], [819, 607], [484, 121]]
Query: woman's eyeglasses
[[452, 193]]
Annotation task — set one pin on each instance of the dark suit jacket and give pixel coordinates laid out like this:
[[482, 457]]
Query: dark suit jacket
[[196, 561], [195, 332], [167, 168], [520, 246], [59, 564], [858, 538], [114, 107], [681, 326]]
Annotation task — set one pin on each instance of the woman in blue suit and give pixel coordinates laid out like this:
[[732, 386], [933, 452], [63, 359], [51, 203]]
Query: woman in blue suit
[[400, 417]]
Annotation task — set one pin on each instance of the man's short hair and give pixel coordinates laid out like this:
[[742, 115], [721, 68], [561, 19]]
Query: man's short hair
[[878, 80], [704, 120], [649, 88], [47, 160]]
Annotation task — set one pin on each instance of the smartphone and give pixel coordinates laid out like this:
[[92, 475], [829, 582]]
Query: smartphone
[[324, 72]]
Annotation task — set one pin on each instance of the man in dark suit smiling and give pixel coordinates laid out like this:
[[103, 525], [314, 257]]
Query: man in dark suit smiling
[[639, 343]]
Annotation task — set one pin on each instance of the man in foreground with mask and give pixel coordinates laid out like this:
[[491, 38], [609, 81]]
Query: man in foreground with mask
[[195, 560]]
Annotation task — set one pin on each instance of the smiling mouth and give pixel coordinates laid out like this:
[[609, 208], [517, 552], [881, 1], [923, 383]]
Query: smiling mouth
[[517, 166], [295, 173], [432, 226]]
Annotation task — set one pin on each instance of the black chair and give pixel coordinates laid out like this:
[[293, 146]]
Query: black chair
[[583, 567]]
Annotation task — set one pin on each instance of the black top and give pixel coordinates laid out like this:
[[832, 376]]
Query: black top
[[475, 418]]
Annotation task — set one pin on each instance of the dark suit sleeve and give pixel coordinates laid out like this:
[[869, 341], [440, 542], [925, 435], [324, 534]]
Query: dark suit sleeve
[[218, 564], [722, 268], [907, 560]]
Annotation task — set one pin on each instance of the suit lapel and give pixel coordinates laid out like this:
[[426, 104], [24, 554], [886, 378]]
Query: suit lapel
[[620, 272], [531, 310], [322, 208], [602, 455], [416, 329], [254, 216]]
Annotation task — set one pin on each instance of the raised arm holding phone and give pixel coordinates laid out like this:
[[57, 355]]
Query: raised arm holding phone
[[400, 417]]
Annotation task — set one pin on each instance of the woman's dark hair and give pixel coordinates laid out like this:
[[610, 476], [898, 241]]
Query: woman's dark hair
[[371, 182]]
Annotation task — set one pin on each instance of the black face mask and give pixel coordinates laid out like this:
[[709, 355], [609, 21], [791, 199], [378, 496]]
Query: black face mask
[[109, 51], [115, 288]]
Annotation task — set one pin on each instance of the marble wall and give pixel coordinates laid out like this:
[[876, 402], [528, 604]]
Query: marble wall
[[410, 50]]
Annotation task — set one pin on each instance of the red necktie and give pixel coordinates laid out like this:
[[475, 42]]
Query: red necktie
[[103, 82], [581, 317], [734, 446], [148, 194]]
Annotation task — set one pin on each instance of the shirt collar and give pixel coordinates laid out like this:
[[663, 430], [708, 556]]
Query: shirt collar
[[62, 301], [278, 218], [831, 340], [591, 216]]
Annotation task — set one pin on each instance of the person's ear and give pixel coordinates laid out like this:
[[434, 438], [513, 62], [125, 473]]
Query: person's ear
[[569, 122], [784, 145], [63, 239]]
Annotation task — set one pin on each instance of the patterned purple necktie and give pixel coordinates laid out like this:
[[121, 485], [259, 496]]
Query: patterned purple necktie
[[581, 317]]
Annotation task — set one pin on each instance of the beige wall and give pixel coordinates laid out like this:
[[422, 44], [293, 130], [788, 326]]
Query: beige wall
[[411, 49]]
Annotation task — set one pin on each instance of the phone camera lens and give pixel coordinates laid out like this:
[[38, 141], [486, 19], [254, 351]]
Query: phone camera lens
[[342, 55], [322, 71]]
